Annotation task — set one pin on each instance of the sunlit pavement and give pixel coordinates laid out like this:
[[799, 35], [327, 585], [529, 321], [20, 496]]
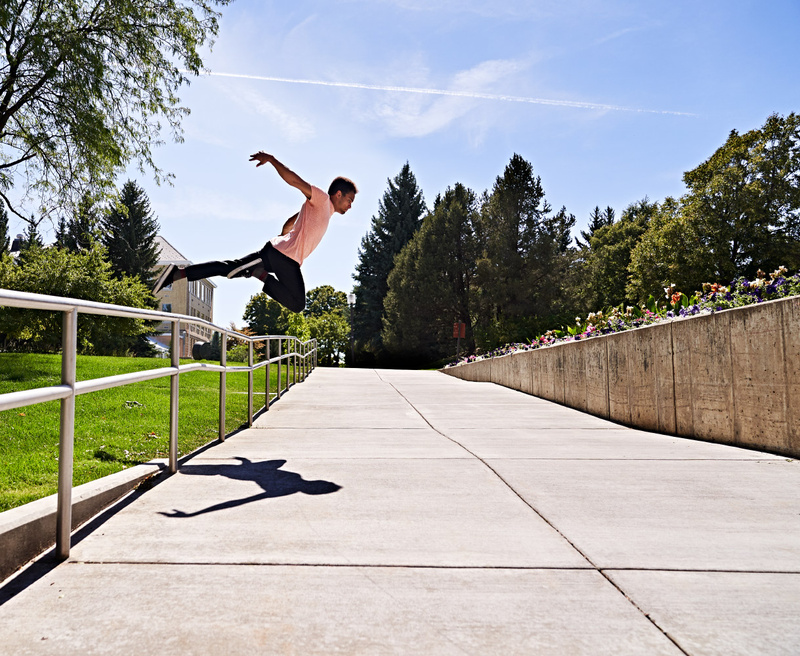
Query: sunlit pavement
[[386, 512]]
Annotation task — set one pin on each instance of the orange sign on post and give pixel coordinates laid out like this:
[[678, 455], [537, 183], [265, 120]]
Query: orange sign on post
[[459, 333]]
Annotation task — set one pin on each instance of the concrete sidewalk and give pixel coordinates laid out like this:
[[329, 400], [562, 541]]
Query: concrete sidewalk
[[385, 512]]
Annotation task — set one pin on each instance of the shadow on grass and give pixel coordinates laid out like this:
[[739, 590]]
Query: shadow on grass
[[267, 474]]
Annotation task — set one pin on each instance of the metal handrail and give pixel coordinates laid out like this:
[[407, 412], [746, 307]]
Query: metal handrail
[[302, 357]]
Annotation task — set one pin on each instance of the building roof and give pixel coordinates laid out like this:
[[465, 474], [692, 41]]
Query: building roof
[[168, 254]]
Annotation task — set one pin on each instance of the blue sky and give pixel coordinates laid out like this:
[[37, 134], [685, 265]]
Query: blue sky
[[610, 100]]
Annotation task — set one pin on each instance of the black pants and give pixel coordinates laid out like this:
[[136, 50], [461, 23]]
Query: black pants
[[287, 286]]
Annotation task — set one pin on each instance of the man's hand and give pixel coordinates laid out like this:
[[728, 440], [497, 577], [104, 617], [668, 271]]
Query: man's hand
[[261, 157], [289, 176]]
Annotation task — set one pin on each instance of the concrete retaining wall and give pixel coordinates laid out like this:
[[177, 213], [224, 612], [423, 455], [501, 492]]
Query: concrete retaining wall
[[29, 530], [731, 377]]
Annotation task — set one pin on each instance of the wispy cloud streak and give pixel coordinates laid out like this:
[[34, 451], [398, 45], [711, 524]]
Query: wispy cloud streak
[[454, 93]]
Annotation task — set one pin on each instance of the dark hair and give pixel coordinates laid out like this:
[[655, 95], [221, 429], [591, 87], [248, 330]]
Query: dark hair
[[345, 185]]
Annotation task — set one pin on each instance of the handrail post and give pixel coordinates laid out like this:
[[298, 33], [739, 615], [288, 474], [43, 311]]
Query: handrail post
[[278, 391], [250, 382], [223, 384], [294, 361], [266, 391], [66, 443], [174, 388]]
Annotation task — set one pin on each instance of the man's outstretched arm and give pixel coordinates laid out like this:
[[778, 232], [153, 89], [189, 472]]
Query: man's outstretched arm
[[289, 176]]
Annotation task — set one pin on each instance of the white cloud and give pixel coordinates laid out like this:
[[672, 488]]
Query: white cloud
[[199, 203], [620, 33], [298, 32], [203, 135], [418, 111], [295, 127], [420, 117], [418, 114]]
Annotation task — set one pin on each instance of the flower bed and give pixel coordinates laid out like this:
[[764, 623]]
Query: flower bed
[[713, 298]]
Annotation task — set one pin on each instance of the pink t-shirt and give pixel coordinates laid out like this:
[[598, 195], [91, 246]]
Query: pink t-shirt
[[308, 230]]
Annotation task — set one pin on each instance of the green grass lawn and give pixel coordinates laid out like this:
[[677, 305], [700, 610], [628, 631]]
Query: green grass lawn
[[114, 428]]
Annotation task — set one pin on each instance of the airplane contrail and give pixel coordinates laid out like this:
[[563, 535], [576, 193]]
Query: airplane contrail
[[447, 92]]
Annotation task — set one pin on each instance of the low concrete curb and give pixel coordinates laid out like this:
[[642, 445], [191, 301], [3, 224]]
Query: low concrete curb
[[29, 530]]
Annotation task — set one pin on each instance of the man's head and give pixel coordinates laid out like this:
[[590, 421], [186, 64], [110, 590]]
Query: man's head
[[342, 192]]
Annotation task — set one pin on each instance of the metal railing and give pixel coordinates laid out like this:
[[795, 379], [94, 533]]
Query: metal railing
[[300, 360]]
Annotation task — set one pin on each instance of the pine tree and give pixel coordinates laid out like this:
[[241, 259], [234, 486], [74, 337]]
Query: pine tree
[[61, 233], [399, 216], [129, 234], [5, 240], [433, 282], [522, 249], [83, 229], [597, 219], [31, 237]]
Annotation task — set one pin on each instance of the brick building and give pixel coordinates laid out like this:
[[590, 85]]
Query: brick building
[[183, 297]]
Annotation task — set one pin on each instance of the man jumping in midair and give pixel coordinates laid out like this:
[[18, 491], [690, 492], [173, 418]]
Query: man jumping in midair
[[277, 265]]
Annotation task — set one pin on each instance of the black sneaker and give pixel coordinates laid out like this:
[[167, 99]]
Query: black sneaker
[[165, 278], [245, 270]]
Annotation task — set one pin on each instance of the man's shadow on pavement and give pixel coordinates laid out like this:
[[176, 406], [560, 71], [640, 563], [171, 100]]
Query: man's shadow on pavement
[[274, 482]]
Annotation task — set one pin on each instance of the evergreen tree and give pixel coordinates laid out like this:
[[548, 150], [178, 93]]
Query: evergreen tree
[[597, 219], [129, 234], [61, 233], [83, 229], [31, 237], [399, 216], [5, 239], [432, 283], [525, 251], [555, 293]]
